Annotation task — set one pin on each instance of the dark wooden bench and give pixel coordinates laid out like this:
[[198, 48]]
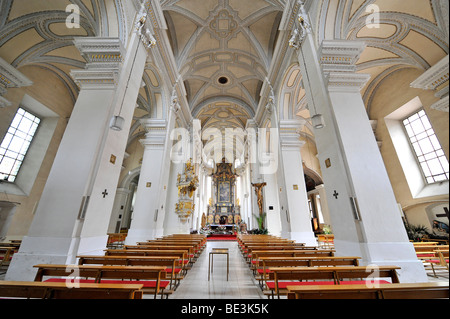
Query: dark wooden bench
[[149, 276], [428, 290], [60, 290], [281, 277]]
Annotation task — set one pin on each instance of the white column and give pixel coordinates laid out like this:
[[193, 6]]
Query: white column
[[364, 213], [108, 166], [385, 239], [147, 205], [297, 198], [54, 234], [118, 211]]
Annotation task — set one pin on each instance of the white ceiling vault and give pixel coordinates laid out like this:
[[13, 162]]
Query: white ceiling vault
[[223, 49]]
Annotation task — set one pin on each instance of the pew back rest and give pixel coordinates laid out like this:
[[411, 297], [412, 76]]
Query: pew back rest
[[53, 290], [337, 274]]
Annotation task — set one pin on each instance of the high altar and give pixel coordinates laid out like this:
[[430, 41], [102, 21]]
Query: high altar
[[224, 208]]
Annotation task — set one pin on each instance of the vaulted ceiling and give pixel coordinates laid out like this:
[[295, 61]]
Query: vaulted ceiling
[[223, 50]]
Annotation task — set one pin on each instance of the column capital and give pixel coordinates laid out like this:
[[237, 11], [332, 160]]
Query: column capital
[[104, 57], [156, 132], [251, 123], [10, 77], [436, 79], [338, 59], [290, 133]]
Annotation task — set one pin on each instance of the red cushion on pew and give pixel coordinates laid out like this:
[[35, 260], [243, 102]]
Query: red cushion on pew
[[425, 255], [176, 270], [261, 271]]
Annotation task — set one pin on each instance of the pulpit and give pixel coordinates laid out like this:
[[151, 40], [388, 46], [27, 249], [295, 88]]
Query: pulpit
[[224, 207]]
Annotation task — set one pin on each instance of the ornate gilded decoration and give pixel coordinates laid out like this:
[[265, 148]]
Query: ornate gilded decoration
[[187, 183], [224, 209]]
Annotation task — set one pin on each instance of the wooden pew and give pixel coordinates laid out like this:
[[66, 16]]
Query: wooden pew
[[182, 254], [196, 246], [256, 254], [325, 241], [422, 248], [265, 263], [172, 264], [427, 290], [149, 276], [288, 246], [433, 257], [60, 290], [189, 249], [281, 277], [116, 240], [6, 254]]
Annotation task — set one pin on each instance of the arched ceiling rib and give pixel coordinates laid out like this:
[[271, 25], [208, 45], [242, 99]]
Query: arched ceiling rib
[[407, 35], [36, 33], [223, 50]]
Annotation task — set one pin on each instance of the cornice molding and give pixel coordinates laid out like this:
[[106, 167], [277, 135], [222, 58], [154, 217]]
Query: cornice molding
[[156, 133], [441, 105], [434, 76], [436, 79], [10, 77], [338, 59], [104, 57]]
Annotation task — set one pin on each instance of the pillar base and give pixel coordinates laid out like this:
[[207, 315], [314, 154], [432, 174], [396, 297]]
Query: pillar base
[[400, 254], [307, 238], [35, 250], [139, 235]]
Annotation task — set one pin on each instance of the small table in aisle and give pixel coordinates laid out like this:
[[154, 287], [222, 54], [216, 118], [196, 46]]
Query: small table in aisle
[[217, 251]]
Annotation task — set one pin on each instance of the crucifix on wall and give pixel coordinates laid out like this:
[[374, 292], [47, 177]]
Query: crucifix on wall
[[445, 213], [258, 191]]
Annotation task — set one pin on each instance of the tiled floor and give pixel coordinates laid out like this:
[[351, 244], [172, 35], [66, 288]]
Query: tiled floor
[[240, 284]]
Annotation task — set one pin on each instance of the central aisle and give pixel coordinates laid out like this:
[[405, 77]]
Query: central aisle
[[240, 285]]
